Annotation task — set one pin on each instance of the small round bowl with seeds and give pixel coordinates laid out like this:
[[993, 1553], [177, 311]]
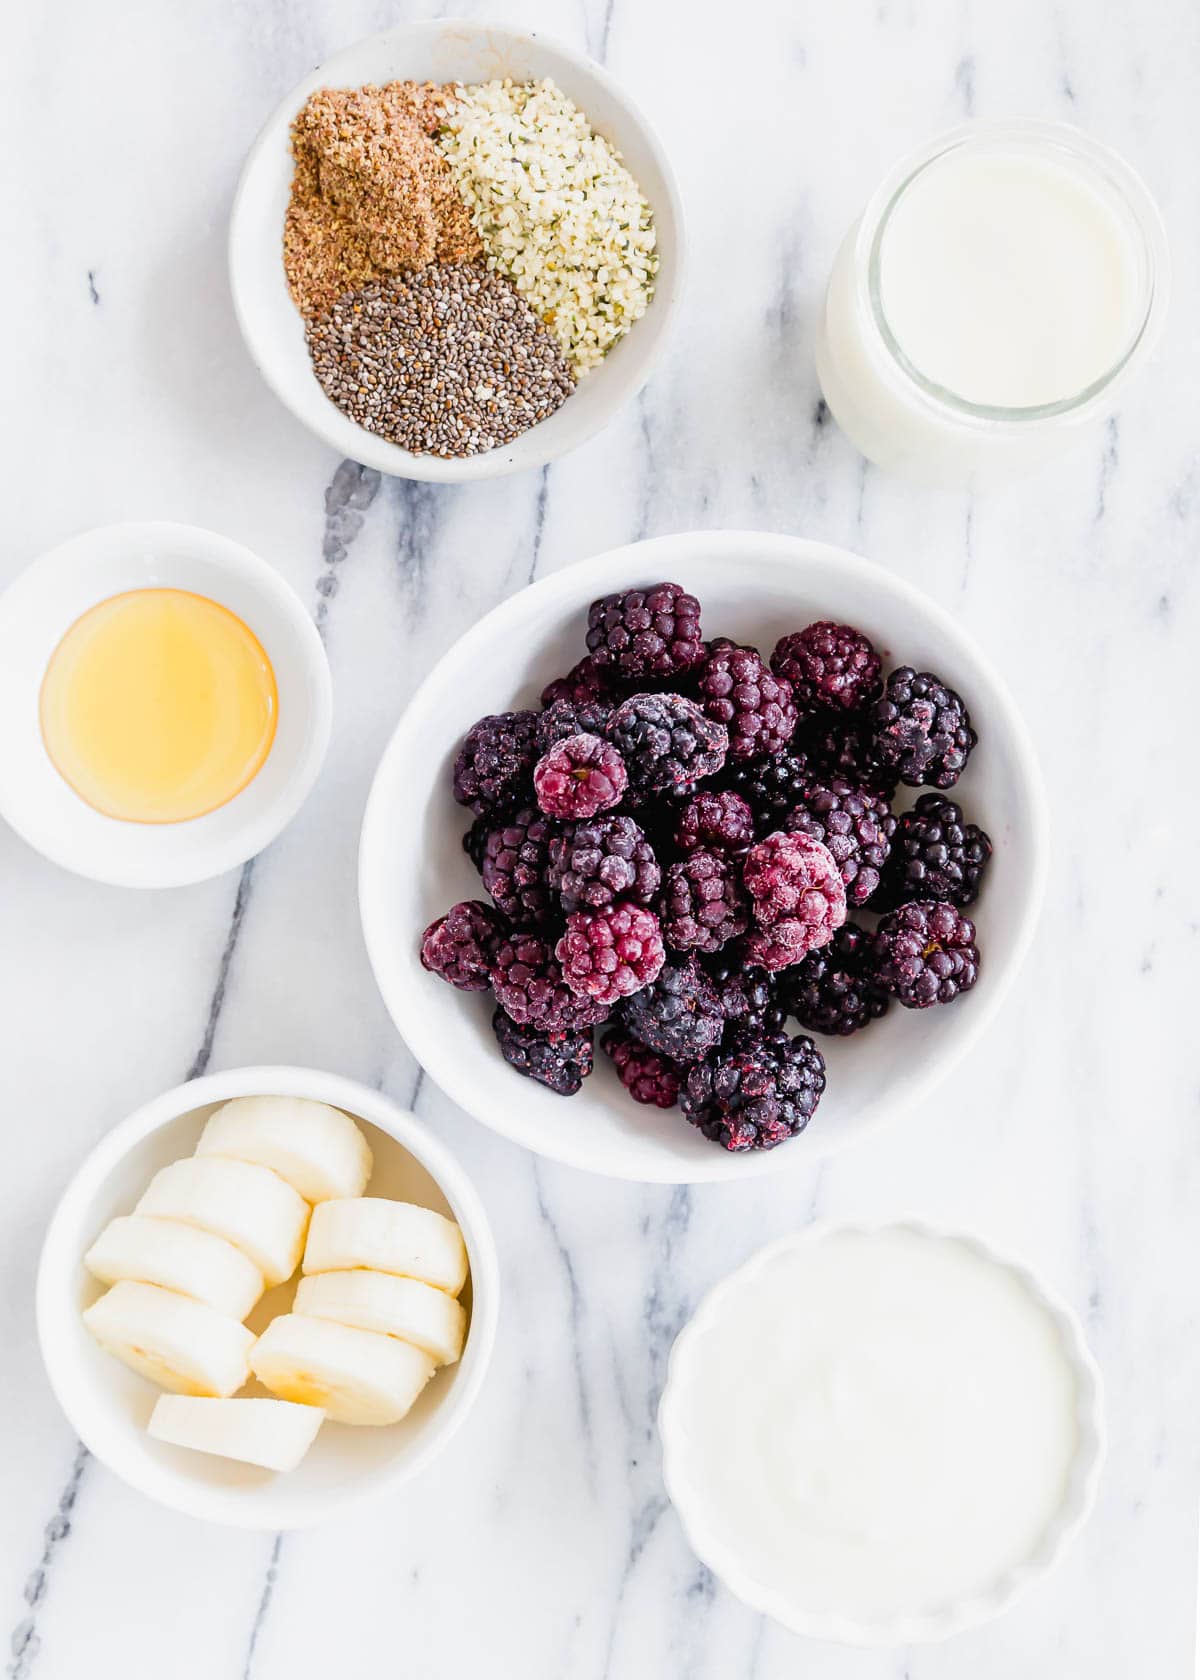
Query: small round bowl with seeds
[[456, 250]]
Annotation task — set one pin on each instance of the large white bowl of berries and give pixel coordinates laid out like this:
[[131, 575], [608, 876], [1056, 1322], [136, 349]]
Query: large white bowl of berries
[[736, 908]]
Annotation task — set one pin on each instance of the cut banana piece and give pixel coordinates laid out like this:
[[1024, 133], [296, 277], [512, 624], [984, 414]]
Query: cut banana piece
[[176, 1256], [394, 1306], [272, 1433], [178, 1343], [249, 1206], [384, 1236], [356, 1376], [318, 1149]]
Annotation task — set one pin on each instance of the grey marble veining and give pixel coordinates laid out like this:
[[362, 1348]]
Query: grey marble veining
[[542, 1543]]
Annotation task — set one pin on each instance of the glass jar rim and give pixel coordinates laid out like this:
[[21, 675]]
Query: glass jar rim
[[1099, 160]]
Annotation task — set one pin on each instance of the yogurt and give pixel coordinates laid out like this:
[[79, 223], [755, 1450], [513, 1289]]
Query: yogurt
[[875, 1423]]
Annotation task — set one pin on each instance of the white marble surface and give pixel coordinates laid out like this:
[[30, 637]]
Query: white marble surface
[[542, 1545]]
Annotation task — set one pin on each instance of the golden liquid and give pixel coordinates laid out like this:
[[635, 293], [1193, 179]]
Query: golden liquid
[[158, 705]]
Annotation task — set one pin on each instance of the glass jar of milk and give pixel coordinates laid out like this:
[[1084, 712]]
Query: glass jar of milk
[[992, 301]]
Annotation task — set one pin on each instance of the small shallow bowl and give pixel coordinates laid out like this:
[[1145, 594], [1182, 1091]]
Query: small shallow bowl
[[35, 613], [716, 1552], [754, 587], [110, 1405], [448, 51]]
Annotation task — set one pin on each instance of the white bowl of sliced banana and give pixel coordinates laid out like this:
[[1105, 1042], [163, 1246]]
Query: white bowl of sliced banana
[[267, 1296]]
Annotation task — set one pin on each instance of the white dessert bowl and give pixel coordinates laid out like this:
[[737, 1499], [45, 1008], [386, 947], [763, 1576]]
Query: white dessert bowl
[[688, 1494], [37, 610], [449, 50], [110, 1406], [754, 587]]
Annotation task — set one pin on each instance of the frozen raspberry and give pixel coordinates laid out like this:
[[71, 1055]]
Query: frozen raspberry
[[646, 632], [679, 1014], [922, 729], [834, 990], [527, 979], [772, 787], [515, 863], [647, 1076], [704, 904], [793, 878], [460, 945], [609, 953], [855, 825], [561, 1061], [755, 705], [667, 743], [831, 667], [593, 863], [571, 717], [585, 681], [579, 777], [719, 822], [936, 854], [495, 762], [748, 995], [925, 954], [756, 1095]]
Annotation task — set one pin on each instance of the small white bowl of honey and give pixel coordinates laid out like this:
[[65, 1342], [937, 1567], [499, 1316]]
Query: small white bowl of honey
[[166, 700]]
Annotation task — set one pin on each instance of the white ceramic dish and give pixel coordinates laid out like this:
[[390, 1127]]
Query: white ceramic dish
[[447, 51], [35, 613], [716, 1552], [754, 587], [109, 1405]]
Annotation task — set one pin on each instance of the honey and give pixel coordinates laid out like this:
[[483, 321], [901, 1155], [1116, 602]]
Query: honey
[[158, 706]]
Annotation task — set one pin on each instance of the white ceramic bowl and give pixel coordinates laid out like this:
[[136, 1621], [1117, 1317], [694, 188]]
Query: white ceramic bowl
[[754, 587], [110, 1405], [716, 1551], [447, 51], [35, 613]]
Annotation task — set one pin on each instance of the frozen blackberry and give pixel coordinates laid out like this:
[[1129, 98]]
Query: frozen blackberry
[[667, 743], [561, 1061], [834, 990], [646, 632], [515, 862], [936, 854], [748, 995], [584, 681], [460, 946], [704, 903], [579, 777], [755, 1096], [609, 953], [922, 729], [772, 787], [527, 979], [716, 821], [593, 863], [495, 762], [678, 1014], [647, 1076], [571, 717], [754, 704], [925, 954], [857, 827], [831, 667]]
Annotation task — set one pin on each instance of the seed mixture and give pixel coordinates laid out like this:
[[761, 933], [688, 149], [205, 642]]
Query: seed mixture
[[460, 256]]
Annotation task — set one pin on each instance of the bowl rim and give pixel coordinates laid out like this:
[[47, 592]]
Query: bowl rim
[[378, 453], [207, 857], [958, 1615], [62, 1250], [437, 1056]]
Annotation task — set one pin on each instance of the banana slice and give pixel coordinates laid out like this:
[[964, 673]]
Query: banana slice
[[318, 1149], [384, 1236], [249, 1206], [394, 1306], [355, 1375], [272, 1433], [176, 1256], [178, 1343]]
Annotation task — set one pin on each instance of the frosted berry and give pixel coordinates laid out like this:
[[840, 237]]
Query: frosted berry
[[610, 953], [527, 979], [647, 1076], [495, 762], [678, 1014], [831, 667], [561, 1061], [925, 954], [460, 945], [716, 821], [579, 777], [755, 1096], [646, 632], [667, 743], [921, 729], [704, 904], [754, 704], [514, 862], [791, 877], [592, 863], [856, 825]]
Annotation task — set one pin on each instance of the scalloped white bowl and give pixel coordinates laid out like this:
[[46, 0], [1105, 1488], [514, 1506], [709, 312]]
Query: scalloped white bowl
[[719, 1553], [755, 587]]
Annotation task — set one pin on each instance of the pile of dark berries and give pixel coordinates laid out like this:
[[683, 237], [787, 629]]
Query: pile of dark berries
[[673, 846]]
